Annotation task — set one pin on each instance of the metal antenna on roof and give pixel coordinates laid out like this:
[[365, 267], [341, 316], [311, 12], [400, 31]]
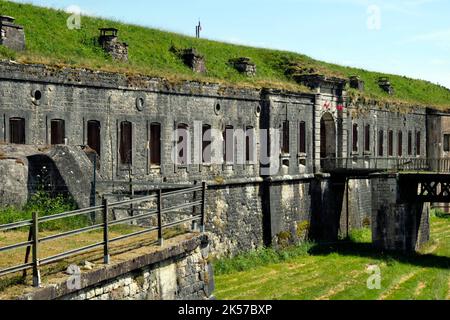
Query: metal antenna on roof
[[198, 29]]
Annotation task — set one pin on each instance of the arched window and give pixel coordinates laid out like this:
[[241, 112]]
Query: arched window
[[355, 137], [400, 143], [206, 144], [391, 143], [183, 144], [418, 144], [250, 145], [58, 131], [302, 137], [228, 145], [155, 144], [367, 138], [94, 136], [125, 145], [17, 130], [410, 144], [381, 143], [285, 138]]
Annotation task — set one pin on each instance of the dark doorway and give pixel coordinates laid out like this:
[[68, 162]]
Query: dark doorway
[[17, 130], [58, 131], [94, 136], [126, 140]]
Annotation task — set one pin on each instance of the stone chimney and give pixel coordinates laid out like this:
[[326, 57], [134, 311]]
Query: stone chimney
[[356, 83], [385, 84], [244, 65], [12, 35], [110, 43], [194, 60]]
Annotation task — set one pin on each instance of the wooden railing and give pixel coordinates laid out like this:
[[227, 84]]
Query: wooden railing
[[34, 240], [440, 165]]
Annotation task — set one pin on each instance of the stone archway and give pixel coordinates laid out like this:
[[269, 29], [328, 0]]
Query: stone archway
[[328, 137]]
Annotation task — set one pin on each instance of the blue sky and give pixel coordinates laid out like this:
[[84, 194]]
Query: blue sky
[[407, 37]]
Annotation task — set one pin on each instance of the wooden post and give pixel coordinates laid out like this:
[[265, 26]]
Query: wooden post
[[36, 272], [202, 227], [106, 256], [160, 233]]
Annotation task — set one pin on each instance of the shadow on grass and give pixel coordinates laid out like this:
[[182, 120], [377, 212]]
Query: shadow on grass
[[367, 250]]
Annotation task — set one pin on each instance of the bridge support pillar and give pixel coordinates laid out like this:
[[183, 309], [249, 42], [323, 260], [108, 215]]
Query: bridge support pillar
[[397, 224]]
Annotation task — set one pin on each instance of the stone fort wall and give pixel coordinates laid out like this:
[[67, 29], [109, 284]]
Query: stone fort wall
[[245, 209]]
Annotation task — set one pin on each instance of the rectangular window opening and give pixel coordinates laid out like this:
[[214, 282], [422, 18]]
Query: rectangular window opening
[[155, 144], [17, 131], [126, 140], [58, 131]]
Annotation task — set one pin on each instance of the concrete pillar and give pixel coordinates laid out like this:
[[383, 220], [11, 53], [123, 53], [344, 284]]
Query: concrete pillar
[[397, 224]]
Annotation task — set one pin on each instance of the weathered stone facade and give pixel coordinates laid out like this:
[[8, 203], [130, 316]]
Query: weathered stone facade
[[397, 224], [248, 204]]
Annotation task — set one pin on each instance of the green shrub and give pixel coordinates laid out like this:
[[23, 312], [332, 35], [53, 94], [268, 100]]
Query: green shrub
[[45, 205], [361, 235]]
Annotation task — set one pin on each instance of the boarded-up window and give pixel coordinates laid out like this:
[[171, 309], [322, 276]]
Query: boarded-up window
[[17, 130], [410, 144], [367, 138], [250, 145], [285, 138], [183, 144], [418, 144], [58, 131], [155, 144], [355, 137], [446, 142], [94, 136], [400, 143], [126, 140], [302, 137], [206, 144], [391, 143], [380, 143]]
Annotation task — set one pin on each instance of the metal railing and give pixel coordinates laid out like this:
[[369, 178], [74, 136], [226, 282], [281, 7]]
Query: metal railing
[[34, 239], [440, 165]]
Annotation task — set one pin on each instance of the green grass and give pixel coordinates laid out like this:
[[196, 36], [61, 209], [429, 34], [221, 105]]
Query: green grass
[[45, 205], [339, 271], [49, 41]]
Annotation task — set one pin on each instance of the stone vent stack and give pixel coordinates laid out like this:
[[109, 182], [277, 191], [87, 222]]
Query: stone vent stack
[[12, 35], [386, 85], [356, 83], [110, 43], [194, 60], [244, 65]]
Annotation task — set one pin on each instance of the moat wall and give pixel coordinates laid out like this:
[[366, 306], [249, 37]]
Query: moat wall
[[178, 271]]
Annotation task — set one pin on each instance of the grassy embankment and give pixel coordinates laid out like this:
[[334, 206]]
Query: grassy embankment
[[49, 41], [339, 271]]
